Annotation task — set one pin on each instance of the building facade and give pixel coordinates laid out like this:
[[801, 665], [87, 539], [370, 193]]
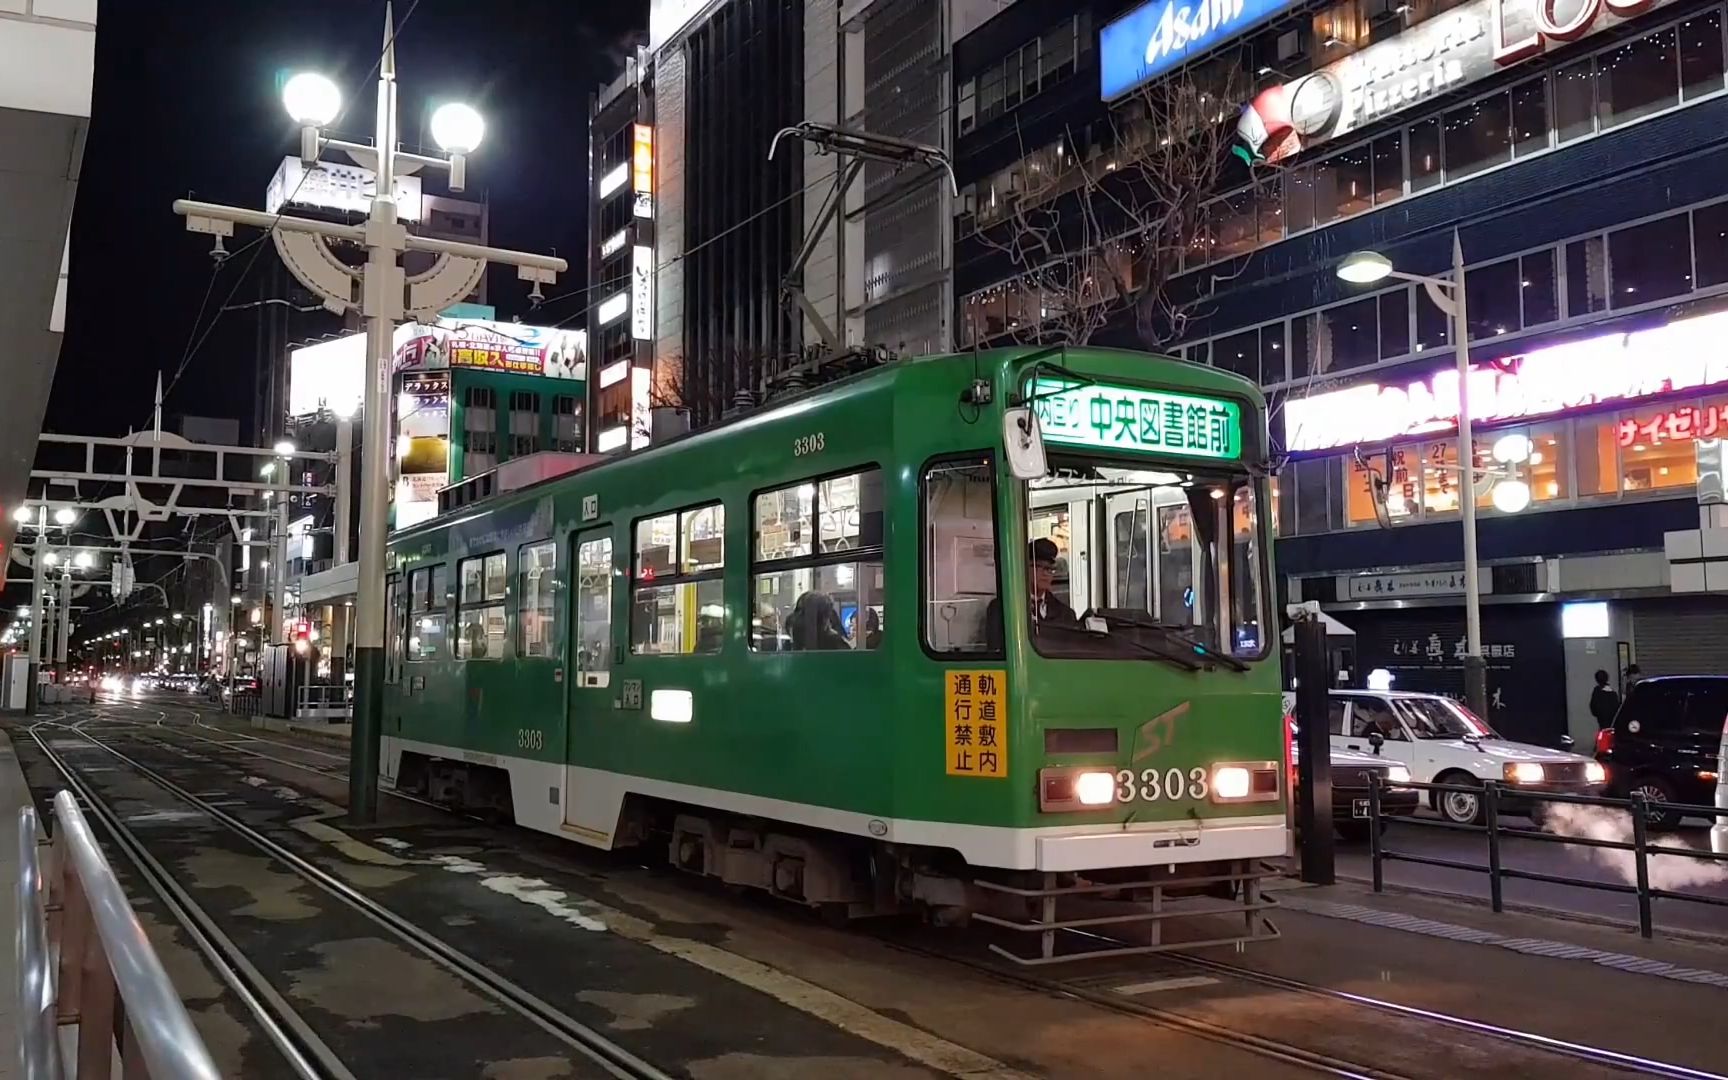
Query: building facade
[[695, 228], [1578, 152]]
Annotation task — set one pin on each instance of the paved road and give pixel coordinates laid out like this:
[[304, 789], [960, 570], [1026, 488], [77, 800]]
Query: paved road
[[1560, 859]]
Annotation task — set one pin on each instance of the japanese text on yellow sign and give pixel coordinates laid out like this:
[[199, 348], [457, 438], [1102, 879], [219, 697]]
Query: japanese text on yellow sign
[[975, 704]]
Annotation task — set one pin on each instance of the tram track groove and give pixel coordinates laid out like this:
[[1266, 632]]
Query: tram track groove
[[590, 1043], [302, 1049]]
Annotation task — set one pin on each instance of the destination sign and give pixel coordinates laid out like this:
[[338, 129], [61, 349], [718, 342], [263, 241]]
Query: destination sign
[[1118, 418]]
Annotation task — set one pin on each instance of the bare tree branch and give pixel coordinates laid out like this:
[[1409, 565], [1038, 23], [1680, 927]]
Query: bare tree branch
[[1097, 233]]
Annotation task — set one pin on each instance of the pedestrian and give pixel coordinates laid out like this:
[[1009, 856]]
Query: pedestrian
[[1633, 674], [1604, 702]]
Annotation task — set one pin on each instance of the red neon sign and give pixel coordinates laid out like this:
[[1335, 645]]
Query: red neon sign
[[1675, 425]]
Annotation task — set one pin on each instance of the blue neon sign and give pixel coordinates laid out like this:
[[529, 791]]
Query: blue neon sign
[[1158, 36]]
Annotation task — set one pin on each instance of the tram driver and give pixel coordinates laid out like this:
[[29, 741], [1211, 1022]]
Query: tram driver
[[1047, 607]]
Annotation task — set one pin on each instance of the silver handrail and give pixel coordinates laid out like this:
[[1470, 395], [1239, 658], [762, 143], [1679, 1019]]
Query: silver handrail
[[109, 982], [38, 1053]]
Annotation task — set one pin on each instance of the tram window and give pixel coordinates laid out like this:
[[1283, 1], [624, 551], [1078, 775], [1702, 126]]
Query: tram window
[[426, 612], [960, 557], [816, 577], [536, 565], [679, 605], [594, 610], [480, 608], [393, 638]]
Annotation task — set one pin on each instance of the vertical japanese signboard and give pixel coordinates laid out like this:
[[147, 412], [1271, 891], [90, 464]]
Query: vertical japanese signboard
[[975, 710]]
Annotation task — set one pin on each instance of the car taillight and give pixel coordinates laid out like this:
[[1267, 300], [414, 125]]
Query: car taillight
[[1605, 740]]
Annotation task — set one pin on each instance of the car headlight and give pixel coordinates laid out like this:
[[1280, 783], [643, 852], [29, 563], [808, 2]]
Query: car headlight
[[1397, 774], [1594, 773], [1524, 772], [1231, 782]]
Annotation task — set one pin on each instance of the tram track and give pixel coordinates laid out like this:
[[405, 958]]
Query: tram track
[[288, 1031], [1286, 1051]]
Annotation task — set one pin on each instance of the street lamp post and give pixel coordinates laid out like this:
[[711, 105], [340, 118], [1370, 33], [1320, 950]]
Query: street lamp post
[[381, 293], [1366, 267]]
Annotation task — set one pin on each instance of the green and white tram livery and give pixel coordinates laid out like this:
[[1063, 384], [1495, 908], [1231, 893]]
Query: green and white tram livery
[[971, 633]]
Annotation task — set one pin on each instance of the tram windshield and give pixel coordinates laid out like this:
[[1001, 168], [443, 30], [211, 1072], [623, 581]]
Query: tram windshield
[[1149, 564]]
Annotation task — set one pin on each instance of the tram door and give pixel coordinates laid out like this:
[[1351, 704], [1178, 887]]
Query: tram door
[[591, 653], [1152, 556]]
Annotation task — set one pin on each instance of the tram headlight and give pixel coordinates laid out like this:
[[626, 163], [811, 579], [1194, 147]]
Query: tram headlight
[[1095, 788], [1063, 788], [1231, 782]]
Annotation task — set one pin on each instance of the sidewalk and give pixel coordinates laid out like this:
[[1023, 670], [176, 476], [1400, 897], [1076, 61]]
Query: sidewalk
[[14, 794]]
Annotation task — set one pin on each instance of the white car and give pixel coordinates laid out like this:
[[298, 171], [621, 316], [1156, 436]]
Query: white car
[[1442, 742]]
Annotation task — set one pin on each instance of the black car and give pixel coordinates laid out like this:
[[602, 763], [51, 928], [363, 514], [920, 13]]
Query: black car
[[1350, 780], [1664, 741]]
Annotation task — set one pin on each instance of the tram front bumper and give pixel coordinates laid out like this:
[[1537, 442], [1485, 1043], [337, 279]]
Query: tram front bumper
[[1261, 837]]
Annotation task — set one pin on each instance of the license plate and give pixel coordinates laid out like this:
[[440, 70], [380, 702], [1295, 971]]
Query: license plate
[[1358, 808]]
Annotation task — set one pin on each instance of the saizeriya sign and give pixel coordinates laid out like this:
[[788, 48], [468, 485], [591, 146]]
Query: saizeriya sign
[[1469, 42], [1574, 375]]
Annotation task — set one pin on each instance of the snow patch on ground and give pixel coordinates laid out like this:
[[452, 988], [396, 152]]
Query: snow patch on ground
[[553, 901]]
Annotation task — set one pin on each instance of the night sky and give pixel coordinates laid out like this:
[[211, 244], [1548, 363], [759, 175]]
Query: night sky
[[187, 104]]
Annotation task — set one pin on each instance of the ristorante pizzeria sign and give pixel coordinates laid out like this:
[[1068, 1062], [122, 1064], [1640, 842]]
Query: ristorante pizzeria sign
[[1572, 376], [1463, 45]]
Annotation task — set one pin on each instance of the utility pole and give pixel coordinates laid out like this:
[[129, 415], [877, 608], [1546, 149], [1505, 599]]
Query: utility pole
[[383, 295]]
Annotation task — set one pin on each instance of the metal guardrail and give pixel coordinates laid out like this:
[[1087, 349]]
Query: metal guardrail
[[1492, 794], [85, 962], [322, 702]]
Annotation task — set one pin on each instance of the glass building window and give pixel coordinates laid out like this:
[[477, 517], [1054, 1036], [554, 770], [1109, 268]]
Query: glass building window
[[1343, 185], [1575, 100], [1530, 117], [1314, 498], [1239, 353], [1710, 241], [1649, 460], [1586, 276], [1440, 476], [1349, 336], [1425, 154], [1234, 222], [1493, 299], [1596, 455], [1394, 323], [1478, 135], [1433, 326], [1301, 346], [1701, 55], [1652, 261], [1536, 285], [1272, 354], [1388, 167], [1299, 199], [1269, 205], [1637, 78]]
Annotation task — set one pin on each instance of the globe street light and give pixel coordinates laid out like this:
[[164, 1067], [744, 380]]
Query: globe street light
[[22, 515], [83, 560], [458, 129], [65, 516], [1365, 268], [313, 102]]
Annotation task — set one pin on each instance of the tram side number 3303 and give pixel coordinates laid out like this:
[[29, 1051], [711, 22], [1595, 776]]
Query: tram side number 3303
[[805, 445], [1152, 785]]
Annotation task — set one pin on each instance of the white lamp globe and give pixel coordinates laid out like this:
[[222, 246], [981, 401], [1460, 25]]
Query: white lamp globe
[[1511, 496], [1512, 449], [1364, 267], [285, 447], [65, 516], [457, 128], [22, 514], [311, 99]]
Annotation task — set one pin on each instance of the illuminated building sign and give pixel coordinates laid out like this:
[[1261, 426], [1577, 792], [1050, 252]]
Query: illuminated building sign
[[493, 346], [1117, 418], [1158, 36], [642, 158], [642, 292], [1469, 42], [613, 244], [1676, 425], [1573, 375]]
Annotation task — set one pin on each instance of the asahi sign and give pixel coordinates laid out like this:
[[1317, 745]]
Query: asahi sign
[[1456, 48]]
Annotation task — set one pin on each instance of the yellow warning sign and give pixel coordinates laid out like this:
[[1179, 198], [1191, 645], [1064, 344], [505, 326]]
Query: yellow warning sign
[[975, 705]]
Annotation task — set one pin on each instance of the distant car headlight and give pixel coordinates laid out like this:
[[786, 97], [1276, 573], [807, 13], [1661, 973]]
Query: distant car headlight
[[1594, 773], [1524, 772], [1095, 788], [1397, 774], [1231, 782]]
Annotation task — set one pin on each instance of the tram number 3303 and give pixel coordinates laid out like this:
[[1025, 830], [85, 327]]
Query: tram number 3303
[[805, 445], [1152, 785], [530, 739]]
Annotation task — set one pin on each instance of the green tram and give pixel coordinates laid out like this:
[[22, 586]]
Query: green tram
[[885, 644]]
